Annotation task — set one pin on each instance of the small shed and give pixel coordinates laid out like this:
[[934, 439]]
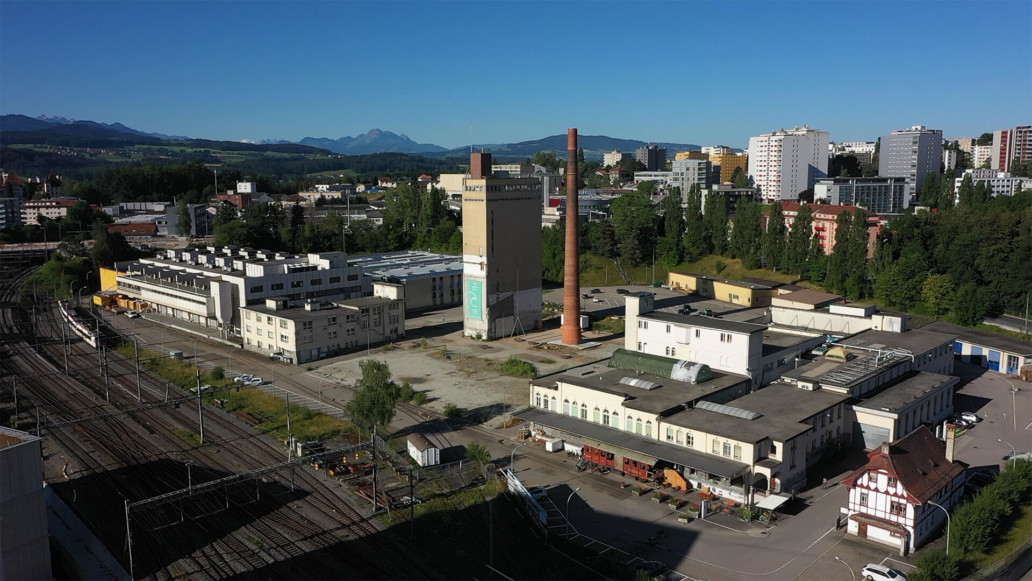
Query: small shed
[[423, 451]]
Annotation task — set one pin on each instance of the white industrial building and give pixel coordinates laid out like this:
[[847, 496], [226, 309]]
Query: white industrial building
[[423, 451], [208, 287], [786, 162]]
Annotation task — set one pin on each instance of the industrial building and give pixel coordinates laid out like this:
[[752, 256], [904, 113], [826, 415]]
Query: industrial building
[[24, 538], [321, 329], [208, 287], [430, 280], [501, 252]]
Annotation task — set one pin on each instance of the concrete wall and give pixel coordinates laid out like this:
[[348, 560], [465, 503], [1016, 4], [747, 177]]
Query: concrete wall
[[24, 541]]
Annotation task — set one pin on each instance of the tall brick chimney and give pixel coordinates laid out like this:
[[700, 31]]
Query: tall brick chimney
[[571, 281]]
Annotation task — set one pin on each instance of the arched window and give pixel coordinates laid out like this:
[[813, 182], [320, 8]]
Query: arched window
[[596, 415], [555, 406], [673, 351], [537, 400], [630, 424], [648, 428], [605, 417], [667, 350], [639, 345], [583, 411], [616, 420], [546, 402], [637, 426], [566, 407]]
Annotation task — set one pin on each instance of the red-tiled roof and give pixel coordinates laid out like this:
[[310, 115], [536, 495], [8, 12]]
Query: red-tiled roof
[[918, 461]]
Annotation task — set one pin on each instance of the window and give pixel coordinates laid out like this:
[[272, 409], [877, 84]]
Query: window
[[316, 282], [716, 447], [537, 400], [605, 417], [546, 403], [897, 508], [331, 321], [668, 350], [629, 424], [249, 328], [648, 428], [566, 407], [268, 319], [306, 325], [892, 482], [698, 333], [637, 426], [583, 411], [668, 329], [284, 338], [276, 286], [596, 415], [727, 448], [350, 332], [670, 434], [738, 452], [689, 439], [673, 351], [247, 315], [616, 420], [271, 334], [863, 499], [297, 284], [725, 337], [261, 331], [257, 288], [334, 279]]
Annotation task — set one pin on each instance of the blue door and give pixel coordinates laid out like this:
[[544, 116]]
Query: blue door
[[976, 355], [994, 360]]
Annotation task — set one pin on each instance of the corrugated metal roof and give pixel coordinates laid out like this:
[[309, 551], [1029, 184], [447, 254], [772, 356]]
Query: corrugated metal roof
[[642, 362]]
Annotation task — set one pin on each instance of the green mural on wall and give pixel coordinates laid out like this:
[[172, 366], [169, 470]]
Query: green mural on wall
[[474, 299]]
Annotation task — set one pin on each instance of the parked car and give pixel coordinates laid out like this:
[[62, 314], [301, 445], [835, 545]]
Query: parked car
[[971, 417], [959, 422], [244, 378], [132, 314], [685, 310], [255, 381], [586, 296], [596, 300], [876, 572], [622, 291], [595, 291]]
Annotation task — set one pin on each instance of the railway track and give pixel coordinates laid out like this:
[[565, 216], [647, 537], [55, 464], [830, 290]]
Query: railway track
[[312, 532]]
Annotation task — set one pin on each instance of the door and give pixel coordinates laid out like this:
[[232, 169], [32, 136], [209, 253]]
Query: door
[[861, 529], [994, 360]]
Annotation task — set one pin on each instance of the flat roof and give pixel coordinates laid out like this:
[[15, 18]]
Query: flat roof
[[751, 283], [704, 321], [302, 314], [636, 443], [783, 407], [899, 395], [10, 437], [408, 264], [915, 340], [980, 337], [808, 296], [669, 395]]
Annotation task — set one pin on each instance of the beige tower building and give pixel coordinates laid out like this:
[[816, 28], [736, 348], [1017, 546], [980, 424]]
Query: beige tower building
[[501, 252]]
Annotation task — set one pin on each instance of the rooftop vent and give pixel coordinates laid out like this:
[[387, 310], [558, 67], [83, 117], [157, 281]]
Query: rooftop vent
[[639, 383], [728, 410]]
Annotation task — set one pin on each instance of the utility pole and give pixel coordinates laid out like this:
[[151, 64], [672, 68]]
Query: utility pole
[[129, 538], [107, 378], [136, 347]]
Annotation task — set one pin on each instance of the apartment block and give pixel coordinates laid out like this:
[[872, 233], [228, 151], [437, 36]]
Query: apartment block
[[877, 194], [912, 154], [1011, 144], [785, 163], [652, 156], [689, 172]]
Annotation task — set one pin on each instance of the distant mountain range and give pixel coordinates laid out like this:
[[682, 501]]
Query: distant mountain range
[[43, 129], [374, 141]]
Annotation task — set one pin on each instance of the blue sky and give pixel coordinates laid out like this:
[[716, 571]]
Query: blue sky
[[708, 72]]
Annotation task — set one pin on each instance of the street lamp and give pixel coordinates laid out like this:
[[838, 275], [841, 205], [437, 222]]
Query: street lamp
[[512, 460], [847, 567], [568, 509], [1014, 452], [947, 525]]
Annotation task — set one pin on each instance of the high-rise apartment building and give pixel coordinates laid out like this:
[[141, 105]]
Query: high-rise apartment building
[[691, 155], [688, 172], [1011, 144], [912, 154], [501, 252], [613, 158], [728, 163], [652, 156], [786, 162]]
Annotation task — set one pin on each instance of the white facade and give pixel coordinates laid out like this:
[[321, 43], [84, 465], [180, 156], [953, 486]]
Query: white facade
[[688, 172], [662, 178], [613, 158], [717, 150], [981, 154], [54, 209], [786, 162], [1002, 183], [865, 147]]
